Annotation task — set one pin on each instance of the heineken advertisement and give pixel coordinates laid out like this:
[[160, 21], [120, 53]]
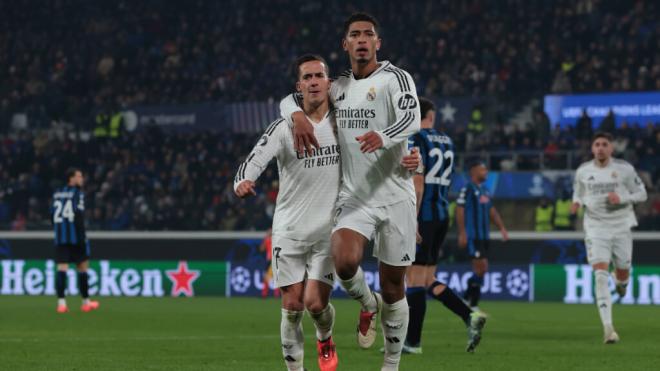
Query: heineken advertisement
[[568, 283], [573, 283], [118, 278], [503, 282]]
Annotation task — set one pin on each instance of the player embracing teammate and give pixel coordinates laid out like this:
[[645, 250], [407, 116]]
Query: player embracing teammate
[[302, 224], [377, 110]]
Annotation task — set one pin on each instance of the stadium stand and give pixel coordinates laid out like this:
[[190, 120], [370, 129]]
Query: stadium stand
[[155, 52]]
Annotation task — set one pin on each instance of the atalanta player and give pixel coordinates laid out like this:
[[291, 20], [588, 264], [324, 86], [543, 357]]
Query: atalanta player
[[71, 244]]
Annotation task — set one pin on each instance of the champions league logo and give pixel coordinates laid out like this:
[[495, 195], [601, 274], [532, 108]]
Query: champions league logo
[[240, 279], [517, 282]]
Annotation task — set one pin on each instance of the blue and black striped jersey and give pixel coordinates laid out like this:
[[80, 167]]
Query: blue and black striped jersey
[[67, 212], [437, 152], [477, 203]]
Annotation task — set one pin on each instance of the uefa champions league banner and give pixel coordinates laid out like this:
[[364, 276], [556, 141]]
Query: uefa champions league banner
[[631, 107], [503, 282], [573, 284], [118, 278]]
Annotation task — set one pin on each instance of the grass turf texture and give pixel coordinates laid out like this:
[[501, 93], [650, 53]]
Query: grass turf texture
[[243, 334]]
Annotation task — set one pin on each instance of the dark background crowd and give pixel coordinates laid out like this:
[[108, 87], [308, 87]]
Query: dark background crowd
[[150, 181], [66, 59]]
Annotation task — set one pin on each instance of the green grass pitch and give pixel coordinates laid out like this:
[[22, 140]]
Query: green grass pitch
[[243, 334]]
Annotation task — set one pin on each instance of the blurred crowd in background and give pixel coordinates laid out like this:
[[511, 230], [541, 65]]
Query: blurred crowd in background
[[163, 52]]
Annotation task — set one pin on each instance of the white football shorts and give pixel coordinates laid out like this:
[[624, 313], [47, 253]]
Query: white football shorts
[[610, 247], [392, 227], [294, 261]]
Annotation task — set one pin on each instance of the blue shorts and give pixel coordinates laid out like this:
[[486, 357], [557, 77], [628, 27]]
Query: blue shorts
[[478, 249]]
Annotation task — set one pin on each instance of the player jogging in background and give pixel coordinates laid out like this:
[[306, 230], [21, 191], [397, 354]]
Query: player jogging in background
[[377, 110], [71, 244], [607, 188], [266, 247], [474, 212], [432, 188]]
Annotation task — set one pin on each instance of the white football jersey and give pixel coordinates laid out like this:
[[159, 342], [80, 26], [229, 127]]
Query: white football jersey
[[308, 185], [591, 187], [386, 102]]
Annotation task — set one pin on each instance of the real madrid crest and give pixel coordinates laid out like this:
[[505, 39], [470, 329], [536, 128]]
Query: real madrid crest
[[614, 175], [371, 94]]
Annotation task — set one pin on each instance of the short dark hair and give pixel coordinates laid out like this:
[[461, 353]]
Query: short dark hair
[[71, 172], [476, 162], [361, 17], [425, 105], [603, 134], [308, 58]]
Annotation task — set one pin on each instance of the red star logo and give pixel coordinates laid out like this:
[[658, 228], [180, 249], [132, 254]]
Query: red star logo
[[182, 279]]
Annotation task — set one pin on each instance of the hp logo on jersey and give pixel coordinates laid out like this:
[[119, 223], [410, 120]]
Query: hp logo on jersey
[[407, 101]]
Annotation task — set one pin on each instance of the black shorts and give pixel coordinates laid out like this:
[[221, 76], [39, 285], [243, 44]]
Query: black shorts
[[72, 253], [433, 235], [478, 249]]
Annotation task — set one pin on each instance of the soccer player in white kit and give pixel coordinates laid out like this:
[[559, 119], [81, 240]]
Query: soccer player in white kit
[[607, 188], [377, 110], [303, 267]]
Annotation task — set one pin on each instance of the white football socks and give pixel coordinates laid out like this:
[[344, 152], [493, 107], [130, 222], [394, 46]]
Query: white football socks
[[357, 288], [603, 297], [291, 334], [323, 321], [61, 302], [394, 321]]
